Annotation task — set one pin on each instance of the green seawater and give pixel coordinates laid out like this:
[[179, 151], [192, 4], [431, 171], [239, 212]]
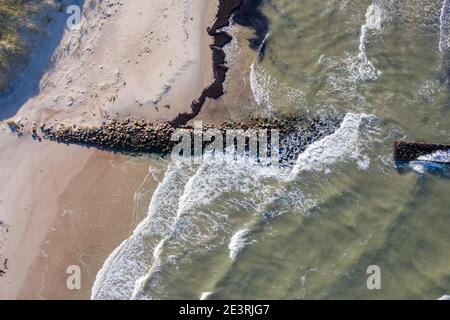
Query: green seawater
[[312, 231]]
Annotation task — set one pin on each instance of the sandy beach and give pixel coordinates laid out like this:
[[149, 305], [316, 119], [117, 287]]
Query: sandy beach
[[50, 228], [66, 205], [349, 98], [146, 59]]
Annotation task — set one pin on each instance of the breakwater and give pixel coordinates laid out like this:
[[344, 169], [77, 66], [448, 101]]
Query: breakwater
[[245, 13], [140, 136], [410, 151]]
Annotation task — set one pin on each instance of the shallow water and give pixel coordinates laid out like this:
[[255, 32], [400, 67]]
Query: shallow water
[[311, 231]]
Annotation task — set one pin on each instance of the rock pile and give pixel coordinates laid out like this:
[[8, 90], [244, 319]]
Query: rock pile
[[116, 135], [410, 151], [140, 136]]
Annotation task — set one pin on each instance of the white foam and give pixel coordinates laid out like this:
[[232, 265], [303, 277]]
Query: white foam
[[261, 83], [444, 36], [420, 165], [125, 267], [181, 219], [366, 68], [264, 87], [342, 144], [438, 156], [374, 17], [237, 243], [140, 284], [205, 295]]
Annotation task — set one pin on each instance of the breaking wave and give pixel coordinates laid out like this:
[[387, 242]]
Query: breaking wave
[[437, 162], [237, 243], [344, 143], [261, 83], [205, 295], [200, 207], [438, 156]]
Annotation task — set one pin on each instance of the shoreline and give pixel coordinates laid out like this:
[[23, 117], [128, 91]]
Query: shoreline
[[38, 245], [49, 227], [116, 192], [220, 39], [244, 13]]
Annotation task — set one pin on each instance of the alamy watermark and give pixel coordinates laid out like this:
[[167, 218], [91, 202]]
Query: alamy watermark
[[73, 281], [374, 280], [74, 19], [256, 145]]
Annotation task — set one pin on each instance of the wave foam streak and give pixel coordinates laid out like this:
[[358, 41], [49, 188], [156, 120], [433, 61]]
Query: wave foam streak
[[366, 68], [193, 209], [237, 243], [198, 209], [132, 259]]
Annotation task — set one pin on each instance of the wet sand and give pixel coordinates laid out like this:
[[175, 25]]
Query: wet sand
[[65, 205], [69, 205], [98, 210]]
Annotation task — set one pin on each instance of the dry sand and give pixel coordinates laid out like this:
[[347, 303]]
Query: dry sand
[[68, 205], [144, 58]]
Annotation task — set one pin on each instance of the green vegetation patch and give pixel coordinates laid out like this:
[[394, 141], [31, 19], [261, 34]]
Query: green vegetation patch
[[12, 17]]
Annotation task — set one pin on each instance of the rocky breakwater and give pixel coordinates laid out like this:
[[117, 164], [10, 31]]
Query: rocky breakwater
[[410, 151], [114, 135], [139, 136]]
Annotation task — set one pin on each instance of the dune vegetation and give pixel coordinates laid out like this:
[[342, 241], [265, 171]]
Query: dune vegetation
[[12, 49], [11, 12]]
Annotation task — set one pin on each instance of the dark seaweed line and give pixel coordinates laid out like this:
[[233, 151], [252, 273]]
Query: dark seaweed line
[[221, 38], [243, 12]]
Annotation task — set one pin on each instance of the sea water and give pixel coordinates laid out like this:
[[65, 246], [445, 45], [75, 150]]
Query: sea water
[[313, 230]]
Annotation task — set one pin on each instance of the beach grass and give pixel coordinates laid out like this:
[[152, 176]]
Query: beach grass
[[12, 15]]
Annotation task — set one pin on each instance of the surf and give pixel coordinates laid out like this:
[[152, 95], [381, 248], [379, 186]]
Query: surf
[[366, 69]]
